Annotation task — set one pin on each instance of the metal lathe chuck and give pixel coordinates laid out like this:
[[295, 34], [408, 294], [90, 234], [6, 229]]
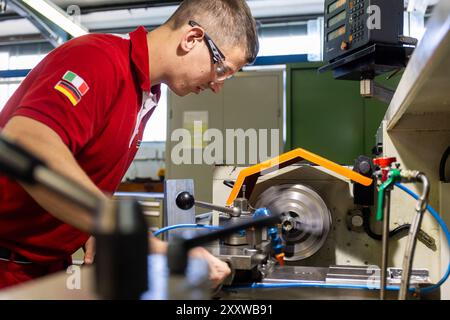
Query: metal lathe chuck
[[306, 219]]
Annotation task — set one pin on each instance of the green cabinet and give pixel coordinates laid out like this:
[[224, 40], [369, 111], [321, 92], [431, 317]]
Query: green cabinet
[[328, 116]]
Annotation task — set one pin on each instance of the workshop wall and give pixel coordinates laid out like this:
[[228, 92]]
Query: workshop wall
[[250, 100]]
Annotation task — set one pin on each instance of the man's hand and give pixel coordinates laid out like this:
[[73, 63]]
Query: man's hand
[[218, 270], [89, 251], [157, 246]]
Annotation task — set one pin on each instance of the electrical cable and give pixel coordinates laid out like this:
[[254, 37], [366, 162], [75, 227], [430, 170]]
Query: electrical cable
[[442, 165], [366, 224]]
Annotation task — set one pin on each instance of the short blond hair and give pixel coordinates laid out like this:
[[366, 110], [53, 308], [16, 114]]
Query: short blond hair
[[229, 22]]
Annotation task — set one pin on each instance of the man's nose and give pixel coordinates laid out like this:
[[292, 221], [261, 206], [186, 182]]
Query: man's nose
[[216, 86]]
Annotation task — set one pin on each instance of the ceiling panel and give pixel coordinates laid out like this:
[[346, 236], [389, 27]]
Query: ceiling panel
[[96, 4], [106, 3]]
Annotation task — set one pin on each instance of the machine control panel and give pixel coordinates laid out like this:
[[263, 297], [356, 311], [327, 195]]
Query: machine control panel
[[354, 24]]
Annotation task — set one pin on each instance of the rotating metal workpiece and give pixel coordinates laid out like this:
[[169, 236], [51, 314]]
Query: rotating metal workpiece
[[306, 219]]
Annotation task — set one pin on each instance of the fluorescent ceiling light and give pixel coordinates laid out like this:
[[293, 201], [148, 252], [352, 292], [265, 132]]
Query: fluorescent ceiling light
[[57, 16]]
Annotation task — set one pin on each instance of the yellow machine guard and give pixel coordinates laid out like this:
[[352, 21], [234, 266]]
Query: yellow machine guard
[[250, 175]]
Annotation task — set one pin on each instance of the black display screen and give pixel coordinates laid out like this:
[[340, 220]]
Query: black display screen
[[336, 5], [336, 33], [336, 19]]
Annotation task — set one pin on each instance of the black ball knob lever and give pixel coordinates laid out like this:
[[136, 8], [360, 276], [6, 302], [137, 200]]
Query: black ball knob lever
[[185, 200]]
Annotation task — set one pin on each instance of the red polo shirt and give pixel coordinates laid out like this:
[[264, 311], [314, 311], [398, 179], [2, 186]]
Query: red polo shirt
[[95, 93]]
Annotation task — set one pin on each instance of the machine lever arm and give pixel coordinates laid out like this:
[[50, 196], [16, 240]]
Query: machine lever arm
[[185, 201]]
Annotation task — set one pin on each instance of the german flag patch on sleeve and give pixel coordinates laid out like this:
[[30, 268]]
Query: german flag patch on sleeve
[[73, 87]]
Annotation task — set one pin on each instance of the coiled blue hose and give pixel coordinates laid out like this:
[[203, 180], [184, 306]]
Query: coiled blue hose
[[179, 226]]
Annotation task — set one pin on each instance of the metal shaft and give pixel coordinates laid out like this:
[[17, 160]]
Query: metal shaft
[[385, 244], [206, 205], [412, 237]]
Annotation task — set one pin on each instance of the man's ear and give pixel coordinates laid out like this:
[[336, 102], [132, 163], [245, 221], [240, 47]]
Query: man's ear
[[190, 39]]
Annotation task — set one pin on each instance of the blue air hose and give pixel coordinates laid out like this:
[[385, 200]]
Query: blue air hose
[[180, 226], [444, 228]]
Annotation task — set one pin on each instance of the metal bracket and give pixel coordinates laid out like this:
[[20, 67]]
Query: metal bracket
[[172, 213], [54, 35], [370, 89], [2, 6], [54, 31], [408, 40]]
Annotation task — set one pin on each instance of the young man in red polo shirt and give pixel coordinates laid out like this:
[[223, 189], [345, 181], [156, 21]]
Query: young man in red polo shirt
[[83, 110]]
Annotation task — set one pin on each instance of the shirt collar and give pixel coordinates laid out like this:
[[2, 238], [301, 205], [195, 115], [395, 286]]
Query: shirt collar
[[139, 57]]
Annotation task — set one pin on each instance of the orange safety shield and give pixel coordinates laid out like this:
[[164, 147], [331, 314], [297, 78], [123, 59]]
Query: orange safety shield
[[250, 175]]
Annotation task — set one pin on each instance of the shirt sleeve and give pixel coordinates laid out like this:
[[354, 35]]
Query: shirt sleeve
[[74, 88]]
